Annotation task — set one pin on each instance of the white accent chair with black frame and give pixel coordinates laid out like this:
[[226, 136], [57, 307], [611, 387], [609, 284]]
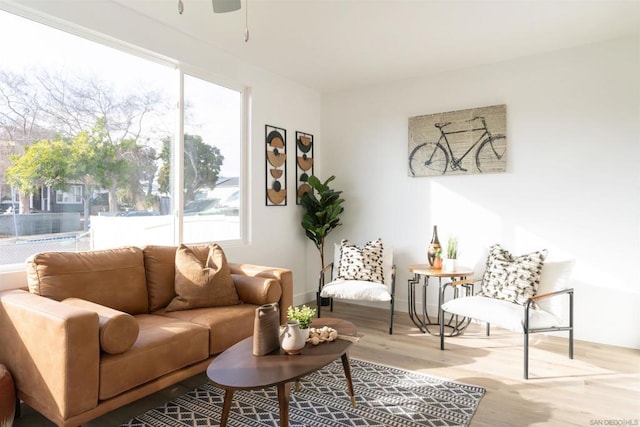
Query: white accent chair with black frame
[[521, 294], [364, 273]]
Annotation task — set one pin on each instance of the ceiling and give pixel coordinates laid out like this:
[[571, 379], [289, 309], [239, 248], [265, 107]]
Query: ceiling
[[334, 45]]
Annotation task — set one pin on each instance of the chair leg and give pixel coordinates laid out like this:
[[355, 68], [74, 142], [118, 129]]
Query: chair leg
[[318, 303], [526, 355], [571, 343], [391, 318], [488, 328], [441, 322], [331, 305], [571, 325]]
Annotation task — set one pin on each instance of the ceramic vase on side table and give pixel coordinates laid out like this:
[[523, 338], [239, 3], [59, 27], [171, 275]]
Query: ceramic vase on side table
[[434, 245]]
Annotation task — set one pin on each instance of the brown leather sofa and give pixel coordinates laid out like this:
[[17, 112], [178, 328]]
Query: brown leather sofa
[[92, 332]]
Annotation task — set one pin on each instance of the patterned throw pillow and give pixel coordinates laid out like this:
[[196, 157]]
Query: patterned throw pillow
[[361, 263], [510, 278]]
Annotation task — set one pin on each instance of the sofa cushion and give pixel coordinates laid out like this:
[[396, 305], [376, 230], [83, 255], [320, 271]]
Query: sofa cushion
[[199, 284], [113, 278], [227, 325], [164, 345], [118, 330], [160, 269]]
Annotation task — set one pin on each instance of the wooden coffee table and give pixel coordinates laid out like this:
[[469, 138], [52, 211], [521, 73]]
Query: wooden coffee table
[[238, 369]]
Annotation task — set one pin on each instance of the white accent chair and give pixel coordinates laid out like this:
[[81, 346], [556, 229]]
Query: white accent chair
[[548, 316], [357, 290]]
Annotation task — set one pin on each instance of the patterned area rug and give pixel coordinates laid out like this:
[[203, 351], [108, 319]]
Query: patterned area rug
[[385, 396]]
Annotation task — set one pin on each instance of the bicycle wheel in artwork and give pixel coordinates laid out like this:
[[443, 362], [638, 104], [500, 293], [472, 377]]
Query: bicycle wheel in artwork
[[458, 142]]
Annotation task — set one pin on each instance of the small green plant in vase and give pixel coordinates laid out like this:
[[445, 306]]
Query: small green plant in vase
[[452, 248], [449, 263], [303, 315]]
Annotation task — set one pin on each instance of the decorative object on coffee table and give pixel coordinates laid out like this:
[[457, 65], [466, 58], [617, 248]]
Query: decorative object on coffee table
[[303, 315], [292, 338], [266, 329]]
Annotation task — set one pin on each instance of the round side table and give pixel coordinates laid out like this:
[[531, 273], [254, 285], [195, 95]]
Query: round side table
[[454, 324]]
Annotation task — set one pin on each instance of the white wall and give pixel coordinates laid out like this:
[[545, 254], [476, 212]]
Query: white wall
[[572, 186], [275, 235]]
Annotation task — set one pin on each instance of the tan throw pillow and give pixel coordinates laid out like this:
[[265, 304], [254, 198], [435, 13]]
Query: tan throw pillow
[[198, 285]]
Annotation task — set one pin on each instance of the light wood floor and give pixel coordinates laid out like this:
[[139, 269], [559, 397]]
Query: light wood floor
[[600, 386]]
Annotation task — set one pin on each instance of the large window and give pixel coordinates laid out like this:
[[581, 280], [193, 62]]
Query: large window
[[97, 126]]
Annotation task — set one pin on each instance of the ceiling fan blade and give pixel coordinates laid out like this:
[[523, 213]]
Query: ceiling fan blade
[[222, 6]]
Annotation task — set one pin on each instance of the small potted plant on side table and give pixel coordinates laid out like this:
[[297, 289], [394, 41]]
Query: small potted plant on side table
[[449, 263]]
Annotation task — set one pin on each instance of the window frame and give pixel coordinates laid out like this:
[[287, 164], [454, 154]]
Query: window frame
[[75, 195]]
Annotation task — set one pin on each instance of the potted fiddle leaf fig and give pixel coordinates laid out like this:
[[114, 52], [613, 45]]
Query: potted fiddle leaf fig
[[322, 209]]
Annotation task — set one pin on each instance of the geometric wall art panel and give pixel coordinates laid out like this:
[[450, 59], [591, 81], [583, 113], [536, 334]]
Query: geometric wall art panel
[[459, 142], [276, 165], [304, 163]]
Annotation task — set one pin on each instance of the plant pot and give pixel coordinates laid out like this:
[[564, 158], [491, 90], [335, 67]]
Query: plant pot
[[449, 265], [305, 333], [437, 263]]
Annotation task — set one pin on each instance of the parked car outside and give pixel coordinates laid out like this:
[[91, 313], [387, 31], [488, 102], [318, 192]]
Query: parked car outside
[[199, 206]]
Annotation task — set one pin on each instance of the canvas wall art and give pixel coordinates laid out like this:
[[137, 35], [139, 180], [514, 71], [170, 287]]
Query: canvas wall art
[[304, 163], [276, 166], [459, 142]]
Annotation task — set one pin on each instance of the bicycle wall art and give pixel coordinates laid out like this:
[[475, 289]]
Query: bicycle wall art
[[459, 142]]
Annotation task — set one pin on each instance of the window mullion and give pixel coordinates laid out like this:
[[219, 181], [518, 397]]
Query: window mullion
[[177, 169]]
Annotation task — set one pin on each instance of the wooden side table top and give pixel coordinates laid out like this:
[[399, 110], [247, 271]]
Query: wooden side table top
[[427, 270], [237, 368]]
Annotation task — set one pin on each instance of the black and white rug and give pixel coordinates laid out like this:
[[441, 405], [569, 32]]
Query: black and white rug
[[385, 396]]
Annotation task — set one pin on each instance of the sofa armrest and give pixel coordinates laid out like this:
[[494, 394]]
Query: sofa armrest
[[52, 352], [257, 290], [283, 275]]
